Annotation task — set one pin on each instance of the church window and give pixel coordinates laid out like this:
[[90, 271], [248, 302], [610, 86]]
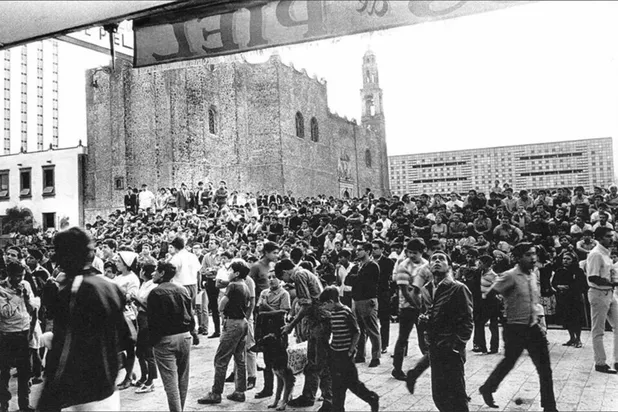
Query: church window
[[300, 125], [212, 120], [315, 133], [367, 158]]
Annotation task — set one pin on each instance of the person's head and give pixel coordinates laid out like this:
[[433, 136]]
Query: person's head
[[147, 271], [110, 270], [439, 264], [34, 257], [74, 250], [273, 281], [377, 248], [568, 259], [109, 248], [15, 272], [177, 245], [329, 298], [587, 235], [525, 255], [485, 262], [270, 250], [238, 270], [604, 235], [165, 272], [603, 218], [471, 256], [283, 270], [363, 250], [344, 257], [126, 262], [415, 248]]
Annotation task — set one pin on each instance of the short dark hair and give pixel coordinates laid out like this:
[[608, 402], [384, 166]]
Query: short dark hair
[[378, 242], [601, 231], [486, 260], [167, 269], [416, 244], [241, 267], [270, 247], [110, 265], [73, 249], [521, 248], [285, 264], [14, 268], [111, 243], [345, 254], [329, 293]]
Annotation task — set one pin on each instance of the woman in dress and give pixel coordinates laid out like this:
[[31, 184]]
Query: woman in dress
[[570, 282]]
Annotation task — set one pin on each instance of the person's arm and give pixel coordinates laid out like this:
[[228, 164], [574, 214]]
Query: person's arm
[[464, 323], [503, 283], [355, 330], [223, 303], [593, 267], [304, 310]]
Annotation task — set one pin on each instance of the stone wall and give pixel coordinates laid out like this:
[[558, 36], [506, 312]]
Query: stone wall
[[151, 126]]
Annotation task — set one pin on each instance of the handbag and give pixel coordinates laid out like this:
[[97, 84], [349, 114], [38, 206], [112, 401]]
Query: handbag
[[297, 357]]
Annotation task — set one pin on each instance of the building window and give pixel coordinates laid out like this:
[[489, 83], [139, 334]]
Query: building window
[[367, 158], [25, 188], [49, 181], [300, 125], [119, 183], [4, 184], [49, 221], [212, 120], [315, 133]]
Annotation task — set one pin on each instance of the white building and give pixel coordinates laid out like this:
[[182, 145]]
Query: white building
[[48, 182]]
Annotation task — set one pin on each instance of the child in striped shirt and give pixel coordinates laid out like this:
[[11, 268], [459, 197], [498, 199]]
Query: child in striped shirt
[[345, 334]]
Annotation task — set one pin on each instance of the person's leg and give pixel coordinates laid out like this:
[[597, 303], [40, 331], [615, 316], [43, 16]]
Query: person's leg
[[326, 386], [358, 309], [448, 385], [384, 315], [231, 334], [150, 364], [37, 364], [166, 362], [514, 345], [538, 349], [239, 358], [480, 318], [251, 357], [183, 357], [407, 318], [311, 370], [494, 343], [372, 329], [599, 306], [339, 382], [24, 369], [612, 317], [213, 294]]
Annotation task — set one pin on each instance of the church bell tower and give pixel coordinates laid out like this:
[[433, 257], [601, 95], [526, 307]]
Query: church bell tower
[[372, 111]]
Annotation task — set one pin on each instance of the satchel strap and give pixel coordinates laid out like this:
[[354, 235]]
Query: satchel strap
[[77, 282]]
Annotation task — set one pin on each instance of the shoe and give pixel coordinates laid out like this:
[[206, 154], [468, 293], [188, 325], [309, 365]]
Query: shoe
[[604, 369], [492, 352], [259, 368], [374, 402], [27, 409], [263, 394], [578, 344], [214, 335], [384, 351], [231, 378], [411, 378], [37, 380], [359, 360], [300, 402], [210, 399], [256, 349], [374, 363], [145, 388], [140, 382], [488, 397], [326, 407], [479, 350], [550, 409], [124, 384], [236, 396], [201, 331], [570, 342], [250, 383], [398, 374]]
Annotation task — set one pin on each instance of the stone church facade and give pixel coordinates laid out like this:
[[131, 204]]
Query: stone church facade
[[259, 127]]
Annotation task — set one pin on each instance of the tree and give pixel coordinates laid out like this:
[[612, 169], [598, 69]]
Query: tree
[[18, 220]]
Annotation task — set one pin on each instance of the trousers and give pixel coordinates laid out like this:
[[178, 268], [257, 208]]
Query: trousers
[[317, 371], [172, 354], [345, 376], [489, 310], [408, 317], [448, 385], [603, 307], [231, 343], [367, 315], [533, 339], [14, 350]]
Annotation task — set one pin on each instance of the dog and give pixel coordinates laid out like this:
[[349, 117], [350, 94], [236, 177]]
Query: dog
[[276, 358]]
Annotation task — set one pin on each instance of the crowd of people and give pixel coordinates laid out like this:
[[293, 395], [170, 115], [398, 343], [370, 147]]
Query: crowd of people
[[171, 268]]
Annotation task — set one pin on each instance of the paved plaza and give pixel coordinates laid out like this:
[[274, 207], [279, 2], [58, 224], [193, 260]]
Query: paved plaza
[[577, 386]]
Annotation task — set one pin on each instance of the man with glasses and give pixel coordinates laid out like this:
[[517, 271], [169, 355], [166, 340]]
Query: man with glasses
[[365, 303]]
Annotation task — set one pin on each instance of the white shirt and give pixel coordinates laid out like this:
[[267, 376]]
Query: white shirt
[[187, 266]]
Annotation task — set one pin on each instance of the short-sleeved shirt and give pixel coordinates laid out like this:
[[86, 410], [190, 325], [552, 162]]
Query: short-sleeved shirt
[[410, 274], [343, 326], [308, 287], [259, 273], [599, 263], [187, 266], [238, 300], [521, 295], [278, 299]]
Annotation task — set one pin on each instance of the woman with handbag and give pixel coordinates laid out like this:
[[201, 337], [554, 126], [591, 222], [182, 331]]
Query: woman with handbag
[[82, 364], [128, 282], [570, 282]]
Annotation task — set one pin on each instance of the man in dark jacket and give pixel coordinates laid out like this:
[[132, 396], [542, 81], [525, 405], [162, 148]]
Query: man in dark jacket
[[449, 327], [384, 286]]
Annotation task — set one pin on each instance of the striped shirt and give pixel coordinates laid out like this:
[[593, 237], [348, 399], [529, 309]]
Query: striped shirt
[[343, 327]]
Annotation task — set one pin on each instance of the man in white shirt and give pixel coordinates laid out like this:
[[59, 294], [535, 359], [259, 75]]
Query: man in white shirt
[[187, 267], [146, 198]]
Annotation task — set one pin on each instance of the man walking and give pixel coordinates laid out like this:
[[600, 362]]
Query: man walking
[[522, 331], [170, 321], [603, 304], [365, 303], [384, 290], [449, 327]]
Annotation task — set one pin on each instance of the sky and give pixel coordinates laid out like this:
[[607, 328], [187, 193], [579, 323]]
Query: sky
[[533, 73]]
